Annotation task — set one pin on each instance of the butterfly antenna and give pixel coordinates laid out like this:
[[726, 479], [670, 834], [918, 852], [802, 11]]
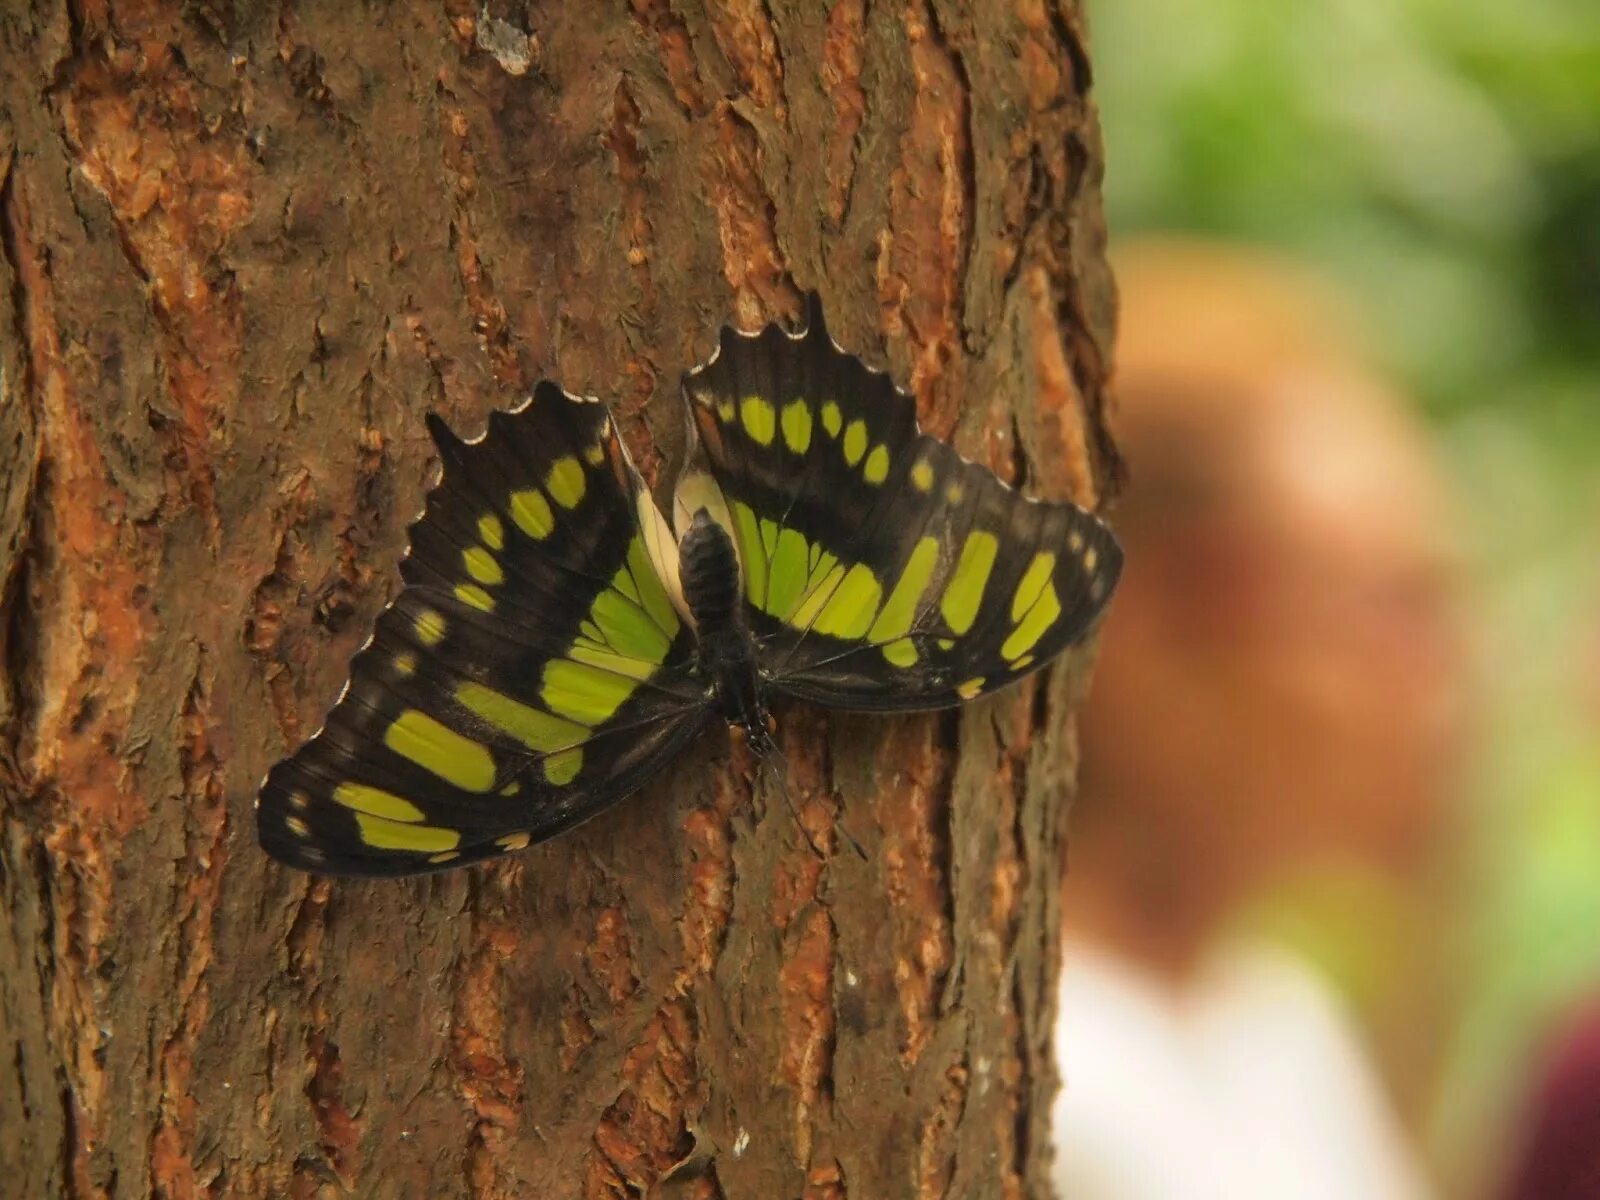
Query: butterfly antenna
[[774, 762], [776, 767], [850, 839]]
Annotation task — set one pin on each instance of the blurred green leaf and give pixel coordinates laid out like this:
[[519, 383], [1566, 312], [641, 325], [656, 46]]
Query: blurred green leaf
[[1441, 160], [1441, 157]]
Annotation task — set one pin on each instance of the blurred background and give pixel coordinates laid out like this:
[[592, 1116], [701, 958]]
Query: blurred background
[[1437, 163]]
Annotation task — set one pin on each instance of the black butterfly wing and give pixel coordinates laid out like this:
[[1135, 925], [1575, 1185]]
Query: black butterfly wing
[[882, 570], [533, 670]]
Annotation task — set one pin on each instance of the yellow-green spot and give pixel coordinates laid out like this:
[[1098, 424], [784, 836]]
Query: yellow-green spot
[[1091, 560], [376, 802], [444, 856], [788, 569], [901, 653], [970, 688], [827, 580], [632, 623], [429, 627], [492, 532], [947, 643], [514, 841], [877, 468], [297, 827], [922, 476], [440, 750], [533, 727], [849, 611], [964, 593], [596, 454], [823, 575], [954, 493], [759, 419], [1032, 583], [623, 582], [754, 556], [565, 481], [511, 789], [587, 694], [1046, 609], [797, 426], [641, 572], [560, 769], [596, 655], [471, 593], [832, 418], [404, 665], [482, 566], [855, 441], [383, 834], [1023, 663], [531, 511], [628, 628], [1075, 541], [725, 410], [901, 608]]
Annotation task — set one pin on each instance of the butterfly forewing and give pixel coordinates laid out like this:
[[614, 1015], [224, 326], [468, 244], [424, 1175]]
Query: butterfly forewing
[[532, 671], [882, 570]]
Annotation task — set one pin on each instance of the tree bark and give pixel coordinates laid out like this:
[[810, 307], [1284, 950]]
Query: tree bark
[[244, 248]]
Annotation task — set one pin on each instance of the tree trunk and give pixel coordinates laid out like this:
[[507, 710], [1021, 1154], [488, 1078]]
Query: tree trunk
[[242, 253]]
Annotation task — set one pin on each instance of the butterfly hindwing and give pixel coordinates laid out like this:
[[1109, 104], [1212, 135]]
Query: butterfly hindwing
[[533, 669], [882, 570]]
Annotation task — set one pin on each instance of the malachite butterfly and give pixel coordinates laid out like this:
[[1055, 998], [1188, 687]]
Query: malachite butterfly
[[557, 642]]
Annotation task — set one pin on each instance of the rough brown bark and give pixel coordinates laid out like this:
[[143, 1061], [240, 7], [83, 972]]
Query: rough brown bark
[[244, 247]]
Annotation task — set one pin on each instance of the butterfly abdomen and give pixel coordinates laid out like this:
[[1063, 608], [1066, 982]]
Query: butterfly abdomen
[[709, 572]]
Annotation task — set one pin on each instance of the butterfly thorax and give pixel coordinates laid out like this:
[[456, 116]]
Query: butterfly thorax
[[709, 572]]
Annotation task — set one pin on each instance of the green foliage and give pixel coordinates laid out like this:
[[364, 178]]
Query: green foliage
[[1441, 157], [1441, 160]]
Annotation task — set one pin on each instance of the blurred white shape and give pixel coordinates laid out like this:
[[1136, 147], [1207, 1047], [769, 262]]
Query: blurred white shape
[[1249, 1084]]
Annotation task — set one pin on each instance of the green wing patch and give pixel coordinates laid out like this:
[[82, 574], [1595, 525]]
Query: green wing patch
[[533, 669], [882, 570]]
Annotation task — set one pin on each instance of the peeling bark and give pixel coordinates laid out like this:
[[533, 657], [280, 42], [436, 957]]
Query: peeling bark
[[242, 248]]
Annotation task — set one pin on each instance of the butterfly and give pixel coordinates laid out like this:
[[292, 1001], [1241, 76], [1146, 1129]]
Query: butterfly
[[557, 642]]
